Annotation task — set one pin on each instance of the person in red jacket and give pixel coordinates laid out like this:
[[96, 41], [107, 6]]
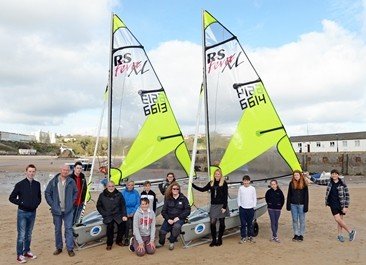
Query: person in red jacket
[[80, 181]]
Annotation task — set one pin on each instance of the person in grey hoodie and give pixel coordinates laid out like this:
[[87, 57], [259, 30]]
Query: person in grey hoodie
[[143, 229]]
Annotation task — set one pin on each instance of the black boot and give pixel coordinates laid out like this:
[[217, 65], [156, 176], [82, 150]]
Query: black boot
[[213, 235], [221, 233]]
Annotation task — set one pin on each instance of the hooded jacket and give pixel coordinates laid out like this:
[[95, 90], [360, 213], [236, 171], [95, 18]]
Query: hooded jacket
[[111, 205], [132, 199], [144, 225], [53, 199]]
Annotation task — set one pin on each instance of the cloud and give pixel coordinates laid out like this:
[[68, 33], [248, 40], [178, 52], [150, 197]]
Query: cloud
[[318, 79], [54, 67], [54, 59]]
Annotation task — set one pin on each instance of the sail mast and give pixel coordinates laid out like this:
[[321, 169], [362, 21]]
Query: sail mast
[[110, 82], [206, 97]]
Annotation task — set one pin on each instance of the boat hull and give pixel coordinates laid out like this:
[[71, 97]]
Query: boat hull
[[198, 225]]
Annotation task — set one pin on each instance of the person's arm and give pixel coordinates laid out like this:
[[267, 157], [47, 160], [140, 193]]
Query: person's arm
[[48, 193], [282, 199], [164, 210], [123, 205], [306, 199], [153, 229], [137, 202], [39, 195], [346, 196], [187, 209], [202, 189], [14, 195], [100, 206], [136, 230], [254, 197], [239, 198], [161, 188], [225, 192], [288, 200]]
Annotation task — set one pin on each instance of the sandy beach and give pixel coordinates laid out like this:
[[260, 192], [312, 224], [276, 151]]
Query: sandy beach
[[319, 247]]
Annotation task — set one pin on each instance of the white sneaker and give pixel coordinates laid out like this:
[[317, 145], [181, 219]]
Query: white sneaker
[[30, 255], [21, 259], [171, 246]]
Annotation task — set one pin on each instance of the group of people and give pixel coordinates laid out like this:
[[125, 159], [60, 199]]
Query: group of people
[[65, 194], [134, 214]]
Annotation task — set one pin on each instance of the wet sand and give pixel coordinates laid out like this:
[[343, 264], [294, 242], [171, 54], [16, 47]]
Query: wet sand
[[319, 247]]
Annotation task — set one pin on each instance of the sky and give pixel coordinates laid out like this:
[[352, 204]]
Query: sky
[[54, 59]]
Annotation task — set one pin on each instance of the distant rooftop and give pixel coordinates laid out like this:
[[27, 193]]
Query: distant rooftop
[[330, 136]]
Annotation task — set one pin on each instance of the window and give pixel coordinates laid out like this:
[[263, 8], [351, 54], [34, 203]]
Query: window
[[299, 144], [318, 144], [357, 143], [331, 144], [344, 143]]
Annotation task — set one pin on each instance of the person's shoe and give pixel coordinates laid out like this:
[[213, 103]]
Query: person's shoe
[[126, 242], [242, 240], [21, 259], [131, 247], [171, 246], [213, 243], [159, 245], [109, 247], [71, 253], [30, 255], [119, 244], [57, 251], [352, 235], [251, 240], [219, 242], [340, 238], [276, 239], [295, 238], [300, 238]]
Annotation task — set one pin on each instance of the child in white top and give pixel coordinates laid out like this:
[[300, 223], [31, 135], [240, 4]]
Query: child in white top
[[247, 200]]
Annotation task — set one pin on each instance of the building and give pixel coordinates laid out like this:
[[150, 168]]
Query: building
[[335, 142], [45, 137], [16, 137]]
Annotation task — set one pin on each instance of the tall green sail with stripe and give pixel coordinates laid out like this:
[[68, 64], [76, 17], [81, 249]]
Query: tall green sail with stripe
[[145, 139], [245, 133]]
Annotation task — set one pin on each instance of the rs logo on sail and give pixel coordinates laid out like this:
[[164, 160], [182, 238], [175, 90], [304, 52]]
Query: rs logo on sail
[[219, 60], [123, 64]]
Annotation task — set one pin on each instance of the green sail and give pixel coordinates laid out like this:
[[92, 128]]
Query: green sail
[[245, 133], [145, 133]]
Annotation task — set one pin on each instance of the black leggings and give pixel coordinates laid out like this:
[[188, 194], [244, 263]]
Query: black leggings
[[214, 221]]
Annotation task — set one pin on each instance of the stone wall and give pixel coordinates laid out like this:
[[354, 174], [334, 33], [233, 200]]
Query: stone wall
[[348, 163]]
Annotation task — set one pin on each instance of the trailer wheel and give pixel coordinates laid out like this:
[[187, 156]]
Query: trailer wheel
[[255, 228]]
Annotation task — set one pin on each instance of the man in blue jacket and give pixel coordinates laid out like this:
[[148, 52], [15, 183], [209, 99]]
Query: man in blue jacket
[[61, 193], [27, 195]]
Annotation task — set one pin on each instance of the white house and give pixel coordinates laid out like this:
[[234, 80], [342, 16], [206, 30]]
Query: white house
[[335, 142]]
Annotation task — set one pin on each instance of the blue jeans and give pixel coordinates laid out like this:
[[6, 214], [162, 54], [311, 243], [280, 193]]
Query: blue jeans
[[57, 221], [25, 223], [174, 230], [298, 219], [274, 215], [246, 222]]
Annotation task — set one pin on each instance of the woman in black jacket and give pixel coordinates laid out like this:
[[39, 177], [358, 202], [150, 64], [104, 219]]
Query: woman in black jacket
[[298, 203], [275, 201], [219, 208], [111, 205]]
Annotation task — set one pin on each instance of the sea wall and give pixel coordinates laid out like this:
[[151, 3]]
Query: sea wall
[[348, 163]]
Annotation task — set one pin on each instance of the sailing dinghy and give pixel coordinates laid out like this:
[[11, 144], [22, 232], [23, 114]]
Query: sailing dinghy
[[244, 132], [145, 141]]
